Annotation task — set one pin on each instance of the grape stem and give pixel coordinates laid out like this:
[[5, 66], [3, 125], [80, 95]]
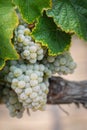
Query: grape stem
[[62, 91]]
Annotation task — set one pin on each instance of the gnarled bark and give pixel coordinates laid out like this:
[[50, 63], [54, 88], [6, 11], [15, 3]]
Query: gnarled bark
[[62, 91]]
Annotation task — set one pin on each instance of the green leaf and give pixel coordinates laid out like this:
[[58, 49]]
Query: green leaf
[[70, 16], [48, 34], [8, 21], [32, 9]]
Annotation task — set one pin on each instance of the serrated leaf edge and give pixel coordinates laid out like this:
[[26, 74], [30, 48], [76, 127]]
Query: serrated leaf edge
[[44, 44], [11, 44], [44, 9], [68, 31]]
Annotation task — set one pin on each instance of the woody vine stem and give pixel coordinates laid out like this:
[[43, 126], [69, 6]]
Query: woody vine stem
[[62, 91]]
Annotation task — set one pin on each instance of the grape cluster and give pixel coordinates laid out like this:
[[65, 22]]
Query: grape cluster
[[62, 64], [30, 82], [26, 80], [27, 48], [10, 98]]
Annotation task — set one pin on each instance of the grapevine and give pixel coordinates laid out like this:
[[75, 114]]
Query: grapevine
[[34, 47], [29, 76]]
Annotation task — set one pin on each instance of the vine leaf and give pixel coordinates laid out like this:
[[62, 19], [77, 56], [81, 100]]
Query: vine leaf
[[32, 9], [8, 21], [70, 16], [49, 35]]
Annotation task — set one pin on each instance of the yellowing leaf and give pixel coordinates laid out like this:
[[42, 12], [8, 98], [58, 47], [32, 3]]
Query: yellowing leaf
[[70, 16], [32, 9], [8, 21], [49, 35]]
